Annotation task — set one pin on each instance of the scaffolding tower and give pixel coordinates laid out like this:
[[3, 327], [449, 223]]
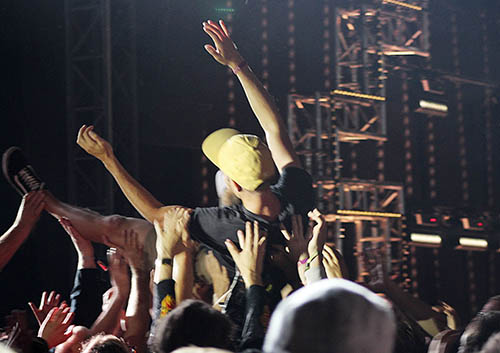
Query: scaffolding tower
[[100, 85], [354, 112]]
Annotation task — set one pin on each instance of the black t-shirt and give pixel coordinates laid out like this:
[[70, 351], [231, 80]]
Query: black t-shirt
[[213, 225]]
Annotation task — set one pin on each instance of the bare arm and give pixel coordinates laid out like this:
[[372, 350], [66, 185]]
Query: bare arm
[[139, 302], [260, 100], [142, 200], [27, 216]]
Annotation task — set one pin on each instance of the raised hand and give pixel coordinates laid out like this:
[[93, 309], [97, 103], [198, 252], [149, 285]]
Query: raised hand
[[225, 51], [55, 329], [83, 247], [47, 303], [318, 239], [173, 236], [133, 250], [250, 258], [94, 144], [30, 209], [118, 272], [296, 241], [331, 263]]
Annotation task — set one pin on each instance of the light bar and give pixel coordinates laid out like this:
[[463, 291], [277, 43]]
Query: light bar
[[433, 106], [403, 4], [433, 239], [402, 52], [369, 213], [357, 95], [473, 242]]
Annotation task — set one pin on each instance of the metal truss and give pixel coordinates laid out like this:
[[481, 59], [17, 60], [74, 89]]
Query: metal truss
[[97, 87], [366, 35]]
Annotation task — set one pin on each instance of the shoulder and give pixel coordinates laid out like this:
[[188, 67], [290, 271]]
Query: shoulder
[[295, 189]]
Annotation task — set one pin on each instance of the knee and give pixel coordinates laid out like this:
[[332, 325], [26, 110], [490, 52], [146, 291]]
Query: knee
[[114, 222]]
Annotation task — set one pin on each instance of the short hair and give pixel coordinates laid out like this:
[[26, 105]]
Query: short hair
[[484, 325], [196, 323], [102, 343]]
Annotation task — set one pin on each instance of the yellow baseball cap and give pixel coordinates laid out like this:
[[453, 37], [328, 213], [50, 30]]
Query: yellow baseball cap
[[243, 158]]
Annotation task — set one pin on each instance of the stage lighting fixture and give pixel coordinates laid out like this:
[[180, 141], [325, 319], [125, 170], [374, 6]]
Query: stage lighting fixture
[[429, 99], [423, 239], [427, 219], [469, 243], [471, 223]]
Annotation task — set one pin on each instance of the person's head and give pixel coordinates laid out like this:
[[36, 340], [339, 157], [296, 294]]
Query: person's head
[[245, 160], [479, 330], [102, 343], [196, 323], [331, 316], [493, 304]]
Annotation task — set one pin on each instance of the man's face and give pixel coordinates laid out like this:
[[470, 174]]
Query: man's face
[[229, 195]]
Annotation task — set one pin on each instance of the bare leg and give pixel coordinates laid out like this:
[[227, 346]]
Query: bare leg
[[102, 229]]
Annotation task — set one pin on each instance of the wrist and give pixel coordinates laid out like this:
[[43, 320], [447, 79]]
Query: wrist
[[85, 261]]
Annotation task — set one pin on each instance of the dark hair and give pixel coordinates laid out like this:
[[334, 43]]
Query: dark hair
[[196, 323], [484, 325], [102, 343]]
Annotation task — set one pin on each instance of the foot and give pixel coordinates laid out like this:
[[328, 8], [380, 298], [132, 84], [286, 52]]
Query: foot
[[19, 173]]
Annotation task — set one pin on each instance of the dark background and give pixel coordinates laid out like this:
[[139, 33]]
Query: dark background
[[182, 95]]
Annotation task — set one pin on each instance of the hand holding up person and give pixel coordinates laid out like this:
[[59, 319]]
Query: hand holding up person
[[55, 328], [118, 273], [28, 214], [225, 51], [83, 247], [173, 237], [250, 259], [30, 209]]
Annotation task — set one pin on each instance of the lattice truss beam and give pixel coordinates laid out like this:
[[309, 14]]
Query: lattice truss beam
[[98, 86], [364, 36]]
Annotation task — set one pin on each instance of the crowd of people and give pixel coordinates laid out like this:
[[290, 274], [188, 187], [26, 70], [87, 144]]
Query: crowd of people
[[255, 274]]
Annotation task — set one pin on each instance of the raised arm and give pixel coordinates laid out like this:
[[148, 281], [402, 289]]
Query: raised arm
[[260, 100], [143, 201], [27, 216]]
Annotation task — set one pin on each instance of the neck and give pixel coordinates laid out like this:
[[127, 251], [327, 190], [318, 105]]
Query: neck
[[264, 204]]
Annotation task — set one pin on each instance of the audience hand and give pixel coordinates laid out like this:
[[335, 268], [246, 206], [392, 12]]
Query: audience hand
[[47, 303], [296, 241], [133, 250], [83, 247], [173, 237], [55, 329], [218, 273], [94, 144], [225, 51], [30, 209], [118, 272], [251, 257], [452, 318], [318, 239], [331, 263]]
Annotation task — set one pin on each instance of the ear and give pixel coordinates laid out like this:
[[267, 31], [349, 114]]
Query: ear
[[236, 186]]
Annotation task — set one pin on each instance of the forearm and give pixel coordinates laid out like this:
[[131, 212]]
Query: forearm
[[260, 101], [138, 319], [109, 319], [415, 307], [86, 296], [142, 200], [185, 276], [10, 242]]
